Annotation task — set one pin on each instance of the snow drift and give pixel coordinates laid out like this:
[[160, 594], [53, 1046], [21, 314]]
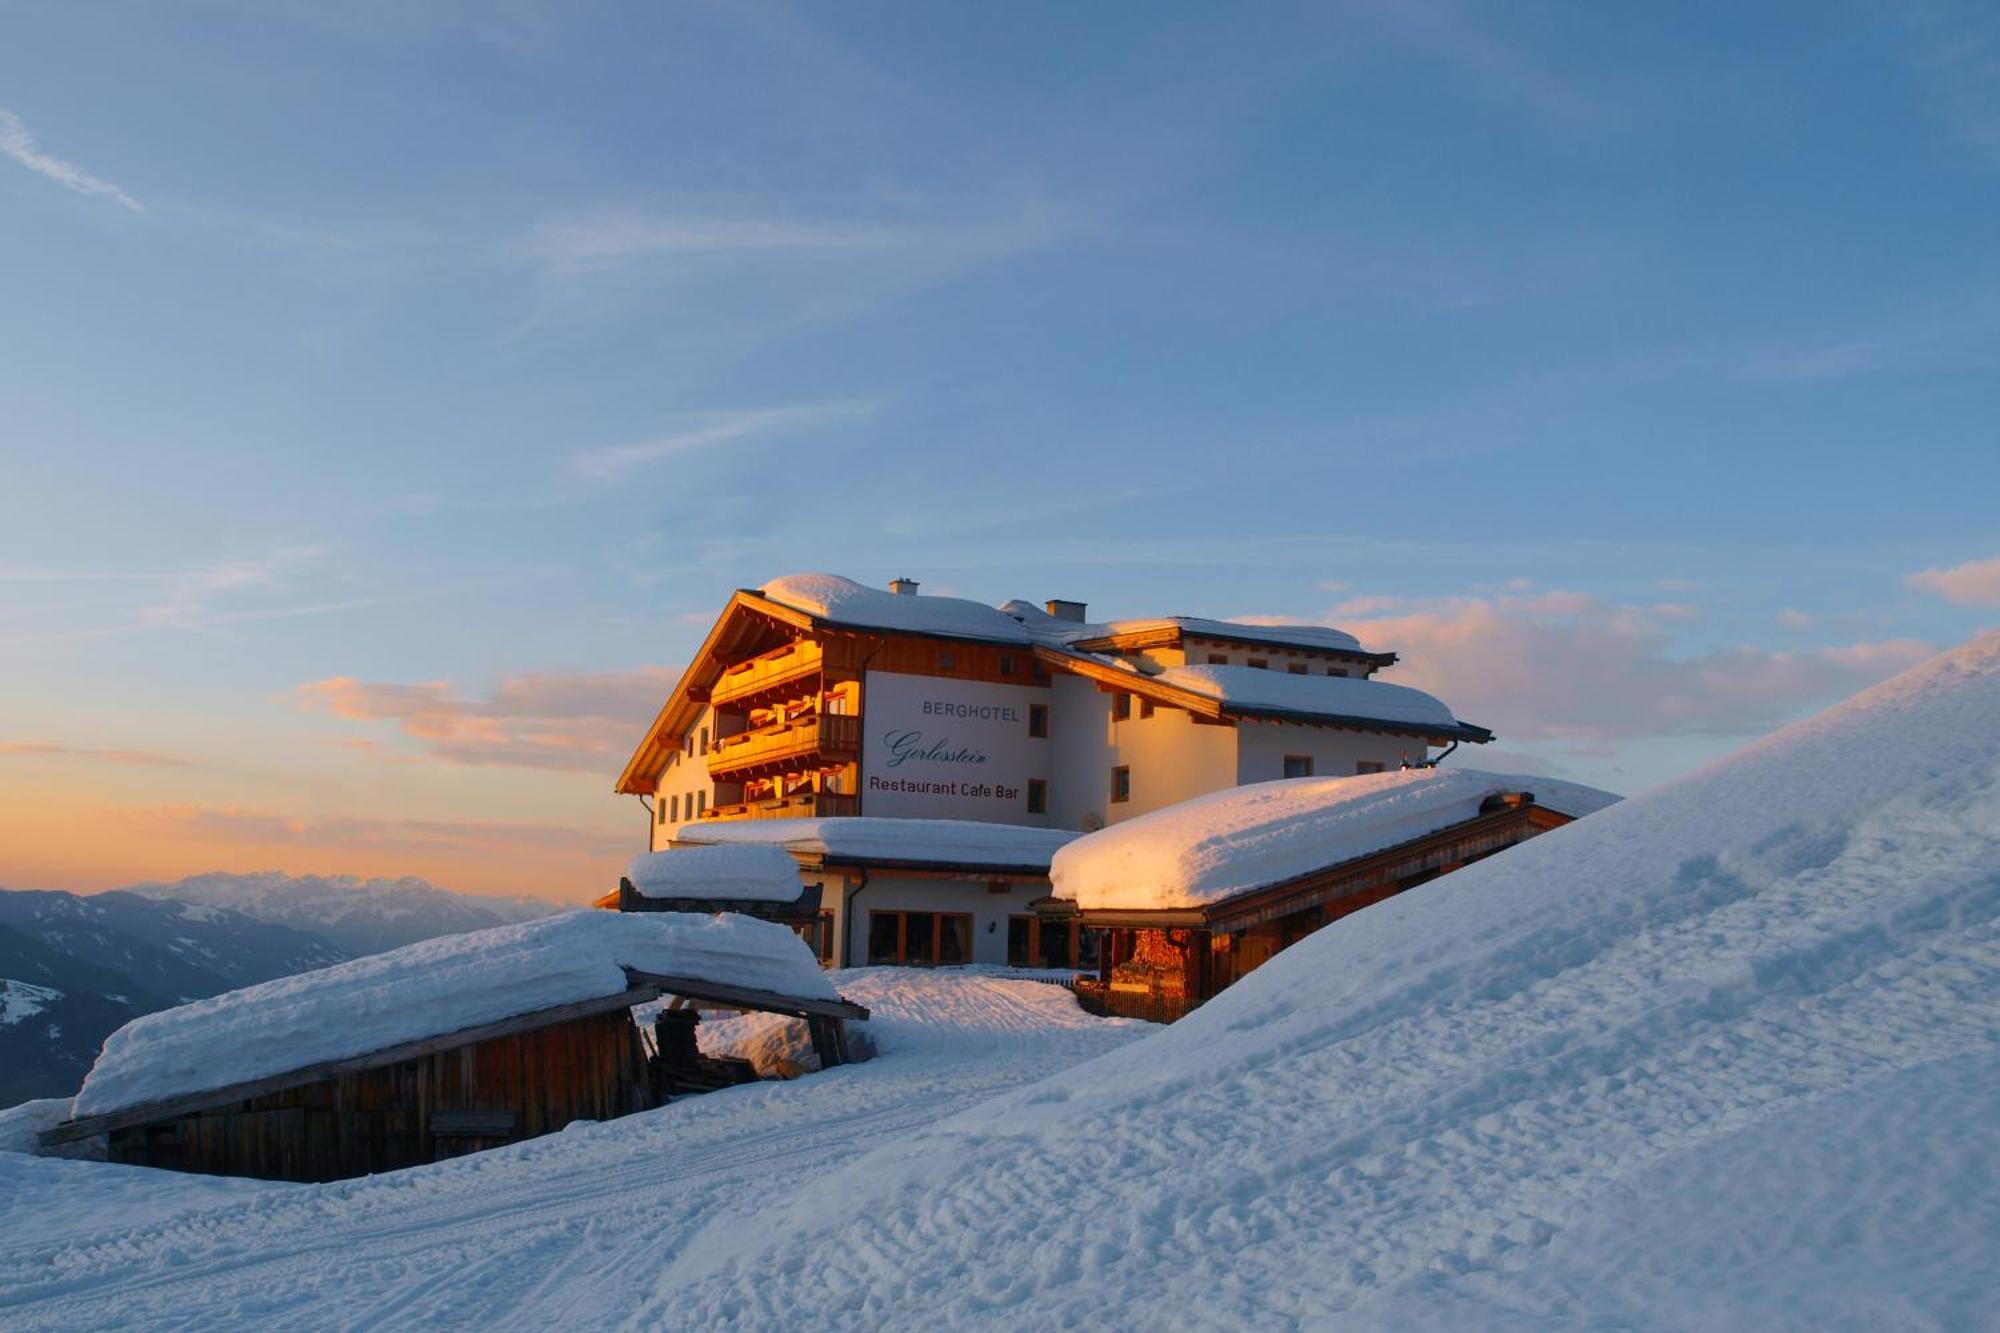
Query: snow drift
[[1494, 1101], [435, 987]]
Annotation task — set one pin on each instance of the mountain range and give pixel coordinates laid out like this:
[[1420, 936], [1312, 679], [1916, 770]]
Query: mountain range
[[75, 967]]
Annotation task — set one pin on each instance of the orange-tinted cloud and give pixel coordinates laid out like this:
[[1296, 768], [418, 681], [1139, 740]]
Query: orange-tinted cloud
[[1566, 667], [587, 721], [1974, 583], [51, 750]]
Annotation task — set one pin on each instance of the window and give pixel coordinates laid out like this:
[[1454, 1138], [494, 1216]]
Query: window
[[1260, 663], [704, 740], [1006, 664], [938, 939], [1121, 784], [1336, 671], [1218, 659], [1368, 766], [818, 935], [947, 659], [675, 802], [1034, 941], [1038, 719], [1038, 796], [1121, 707], [1298, 765], [1297, 668], [700, 803], [688, 742]]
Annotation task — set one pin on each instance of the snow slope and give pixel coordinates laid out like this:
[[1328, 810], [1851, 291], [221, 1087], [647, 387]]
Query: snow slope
[[567, 1231], [1491, 1100], [1213, 847], [437, 986]]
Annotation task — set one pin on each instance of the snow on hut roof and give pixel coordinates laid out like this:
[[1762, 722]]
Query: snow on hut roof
[[957, 842], [740, 873], [842, 601], [429, 989], [1257, 690], [1214, 847]]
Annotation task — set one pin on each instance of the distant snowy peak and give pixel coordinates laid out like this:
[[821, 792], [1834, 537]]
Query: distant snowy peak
[[358, 915]]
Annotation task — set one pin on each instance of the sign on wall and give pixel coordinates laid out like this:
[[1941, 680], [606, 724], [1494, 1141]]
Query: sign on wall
[[934, 748]]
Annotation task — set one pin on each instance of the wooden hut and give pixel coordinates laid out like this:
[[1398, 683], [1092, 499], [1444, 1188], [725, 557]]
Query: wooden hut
[[1161, 959], [446, 1093]]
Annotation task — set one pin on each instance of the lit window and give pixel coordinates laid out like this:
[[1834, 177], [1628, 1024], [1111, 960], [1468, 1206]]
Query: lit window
[[1121, 707], [1038, 719], [1298, 765], [1038, 796], [1368, 766], [1121, 784]]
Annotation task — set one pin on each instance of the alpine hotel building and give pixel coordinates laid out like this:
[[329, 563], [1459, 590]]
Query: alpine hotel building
[[923, 757]]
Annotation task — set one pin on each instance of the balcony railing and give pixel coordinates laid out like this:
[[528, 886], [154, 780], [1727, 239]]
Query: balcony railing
[[785, 666], [827, 735], [804, 805]]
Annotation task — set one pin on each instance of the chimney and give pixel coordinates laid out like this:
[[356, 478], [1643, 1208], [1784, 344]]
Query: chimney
[[903, 587], [1058, 609]]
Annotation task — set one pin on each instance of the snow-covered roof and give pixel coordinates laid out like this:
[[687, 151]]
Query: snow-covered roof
[[842, 601], [1045, 628], [432, 988], [956, 842], [1257, 690], [1324, 638], [1214, 847], [740, 873]]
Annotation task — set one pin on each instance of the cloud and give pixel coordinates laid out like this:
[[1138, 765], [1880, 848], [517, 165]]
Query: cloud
[[18, 143], [239, 824], [50, 750], [576, 722], [1974, 583], [1567, 668], [715, 429], [1953, 48], [1795, 620]]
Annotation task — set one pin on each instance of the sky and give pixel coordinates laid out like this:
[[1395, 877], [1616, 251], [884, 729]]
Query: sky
[[391, 394]]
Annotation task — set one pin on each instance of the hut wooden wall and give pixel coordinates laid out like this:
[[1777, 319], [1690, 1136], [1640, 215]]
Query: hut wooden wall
[[589, 1068]]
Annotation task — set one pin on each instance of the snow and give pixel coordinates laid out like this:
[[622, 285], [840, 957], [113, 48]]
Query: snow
[[842, 601], [1213, 847], [1722, 1056], [739, 872], [1060, 633], [571, 1230], [1261, 690], [1324, 638], [430, 988], [1497, 1100], [22, 1000], [870, 838]]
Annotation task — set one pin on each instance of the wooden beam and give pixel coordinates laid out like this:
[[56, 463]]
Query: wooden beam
[[745, 997], [192, 1103]]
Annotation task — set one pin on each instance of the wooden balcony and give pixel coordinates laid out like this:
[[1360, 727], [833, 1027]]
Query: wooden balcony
[[767, 672], [803, 805], [829, 736]]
